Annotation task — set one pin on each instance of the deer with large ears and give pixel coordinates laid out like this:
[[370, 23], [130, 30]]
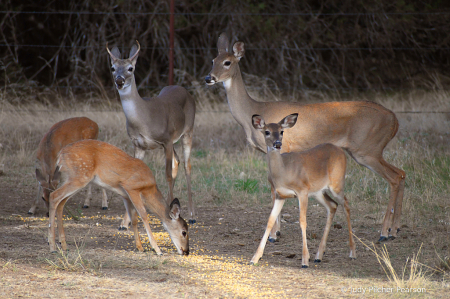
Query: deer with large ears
[[361, 128], [109, 167], [302, 174], [61, 134], [155, 122]]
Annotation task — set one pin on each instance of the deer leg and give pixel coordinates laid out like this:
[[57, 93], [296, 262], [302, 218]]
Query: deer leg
[[125, 222], [60, 195], [277, 206], [398, 209], [275, 232], [131, 212], [396, 180], [87, 201], [59, 217], [331, 207], [303, 204], [104, 200], [187, 145], [168, 150], [36, 201], [136, 199], [138, 154]]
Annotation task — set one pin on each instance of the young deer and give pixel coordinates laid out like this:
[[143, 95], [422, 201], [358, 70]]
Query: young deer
[[109, 167], [361, 128], [303, 174], [155, 122], [61, 134]]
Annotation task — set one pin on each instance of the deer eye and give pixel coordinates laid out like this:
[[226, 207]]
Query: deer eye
[[113, 69], [184, 234], [130, 69], [267, 133], [227, 63]]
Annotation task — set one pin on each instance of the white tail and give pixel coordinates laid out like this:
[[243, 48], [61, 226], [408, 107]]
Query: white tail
[[155, 122], [362, 128], [61, 134], [109, 167], [303, 174]]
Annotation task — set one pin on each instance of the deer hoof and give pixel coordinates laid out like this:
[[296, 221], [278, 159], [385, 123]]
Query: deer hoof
[[192, 221], [278, 233], [85, 207], [317, 261], [304, 266], [30, 213], [272, 240], [104, 208], [382, 239], [391, 238], [122, 228]]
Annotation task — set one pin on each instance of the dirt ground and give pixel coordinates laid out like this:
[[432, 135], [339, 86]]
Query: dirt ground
[[103, 262]]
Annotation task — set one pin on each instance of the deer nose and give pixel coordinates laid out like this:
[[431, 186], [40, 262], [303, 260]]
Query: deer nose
[[210, 80], [277, 144], [186, 252], [120, 81]]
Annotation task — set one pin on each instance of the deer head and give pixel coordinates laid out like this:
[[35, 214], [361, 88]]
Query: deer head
[[123, 69], [274, 132], [225, 64]]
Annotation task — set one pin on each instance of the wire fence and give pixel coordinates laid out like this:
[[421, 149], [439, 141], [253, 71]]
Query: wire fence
[[313, 14], [303, 50]]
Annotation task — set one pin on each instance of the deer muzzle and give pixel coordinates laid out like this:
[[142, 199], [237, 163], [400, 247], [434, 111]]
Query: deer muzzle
[[210, 80], [120, 82], [277, 144]]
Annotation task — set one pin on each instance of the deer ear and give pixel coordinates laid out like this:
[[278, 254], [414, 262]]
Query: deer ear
[[258, 122], [175, 209], [223, 43], [39, 176], [289, 121], [238, 49], [115, 51]]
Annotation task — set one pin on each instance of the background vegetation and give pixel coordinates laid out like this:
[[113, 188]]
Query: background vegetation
[[326, 44]]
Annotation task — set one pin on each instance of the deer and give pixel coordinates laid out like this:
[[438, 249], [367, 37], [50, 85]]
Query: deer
[[362, 128], [301, 174], [155, 122], [109, 167], [61, 134]]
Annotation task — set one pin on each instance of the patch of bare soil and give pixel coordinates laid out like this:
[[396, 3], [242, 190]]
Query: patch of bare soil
[[102, 262]]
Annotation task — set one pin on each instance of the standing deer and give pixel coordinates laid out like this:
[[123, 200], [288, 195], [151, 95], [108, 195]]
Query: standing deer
[[109, 167], [61, 134], [361, 128], [155, 122], [303, 174]]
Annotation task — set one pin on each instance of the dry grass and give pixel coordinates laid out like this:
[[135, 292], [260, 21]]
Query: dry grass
[[228, 173]]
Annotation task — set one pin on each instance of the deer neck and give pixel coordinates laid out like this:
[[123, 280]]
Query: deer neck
[[240, 103], [131, 100], [157, 204], [275, 162], [242, 107]]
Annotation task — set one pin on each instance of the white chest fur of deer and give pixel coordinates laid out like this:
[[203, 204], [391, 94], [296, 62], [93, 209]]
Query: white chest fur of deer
[[303, 174], [109, 167], [362, 128], [156, 122], [61, 134]]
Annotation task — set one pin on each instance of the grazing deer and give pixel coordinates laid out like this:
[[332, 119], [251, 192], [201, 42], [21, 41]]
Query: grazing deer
[[109, 167], [155, 122], [303, 174], [61, 134], [361, 128]]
